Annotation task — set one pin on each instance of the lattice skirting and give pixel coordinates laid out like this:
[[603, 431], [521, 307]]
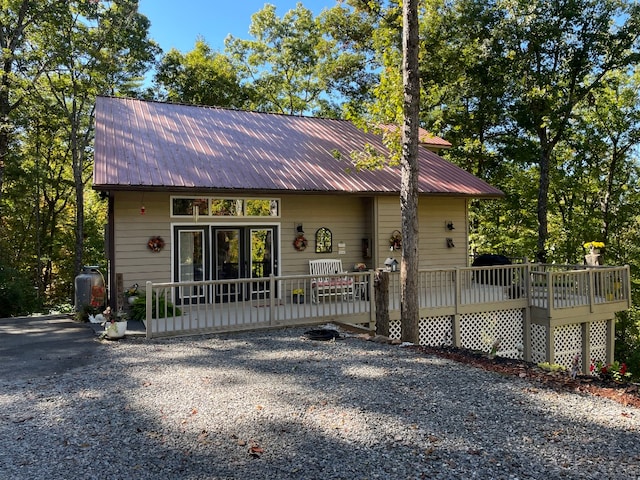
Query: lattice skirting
[[568, 343], [434, 331], [478, 331], [538, 343], [599, 341]]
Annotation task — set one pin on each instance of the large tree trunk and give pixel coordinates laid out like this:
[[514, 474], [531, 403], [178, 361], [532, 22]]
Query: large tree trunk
[[543, 208], [409, 182]]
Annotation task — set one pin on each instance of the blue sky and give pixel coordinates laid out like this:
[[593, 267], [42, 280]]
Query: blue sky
[[178, 24]]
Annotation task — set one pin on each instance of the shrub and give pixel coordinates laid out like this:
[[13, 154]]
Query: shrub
[[17, 293], [139, 307]]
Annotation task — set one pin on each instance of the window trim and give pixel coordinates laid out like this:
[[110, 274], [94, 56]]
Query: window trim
[[209, 200]]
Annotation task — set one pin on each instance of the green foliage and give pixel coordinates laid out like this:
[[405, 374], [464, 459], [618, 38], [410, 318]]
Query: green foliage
[[201, 77], [159, 304], [17, 293], [551, 367]]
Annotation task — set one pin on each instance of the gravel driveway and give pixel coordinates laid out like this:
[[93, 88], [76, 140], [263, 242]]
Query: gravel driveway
[[275, 405]]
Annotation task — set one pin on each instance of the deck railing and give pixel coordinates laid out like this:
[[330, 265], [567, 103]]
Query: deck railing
[[228, 305]]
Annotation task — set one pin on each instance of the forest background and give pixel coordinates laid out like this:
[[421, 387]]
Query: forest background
[[540, 99]]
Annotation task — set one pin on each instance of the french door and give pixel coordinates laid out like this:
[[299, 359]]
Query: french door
[[226, 253]]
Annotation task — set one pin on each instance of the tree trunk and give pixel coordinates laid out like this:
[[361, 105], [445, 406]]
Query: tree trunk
[[381, 286], [409, 182], [543, 206]]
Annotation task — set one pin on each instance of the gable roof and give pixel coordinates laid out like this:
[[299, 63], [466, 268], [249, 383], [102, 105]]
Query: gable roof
[[152, 145], [425, 138]]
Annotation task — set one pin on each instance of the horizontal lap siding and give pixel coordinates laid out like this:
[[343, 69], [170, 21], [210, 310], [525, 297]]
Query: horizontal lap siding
[[433, 214], [347, 217], [132, 231]]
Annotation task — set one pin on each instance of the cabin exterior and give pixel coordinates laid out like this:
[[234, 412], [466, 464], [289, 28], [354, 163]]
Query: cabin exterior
[[224, 209]]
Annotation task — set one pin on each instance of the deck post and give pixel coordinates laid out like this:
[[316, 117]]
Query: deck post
[[149, 308], [611, 340], [526, 314], [272, 299], [456, 337], [586, 347], [551, 344], [370, 296]]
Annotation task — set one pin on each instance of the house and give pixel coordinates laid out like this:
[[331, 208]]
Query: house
[[223, 210], [201, 193]]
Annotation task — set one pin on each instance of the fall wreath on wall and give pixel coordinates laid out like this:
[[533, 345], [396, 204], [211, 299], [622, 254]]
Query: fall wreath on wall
[[300, 243], [395, 241], [155, 244]]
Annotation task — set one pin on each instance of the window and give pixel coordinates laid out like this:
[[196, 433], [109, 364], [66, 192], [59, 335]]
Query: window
[[324, 240], [187, 206], [224, 207]]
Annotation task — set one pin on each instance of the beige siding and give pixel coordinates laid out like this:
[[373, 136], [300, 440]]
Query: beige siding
[[349, 218], [434, 213], [132, 231]]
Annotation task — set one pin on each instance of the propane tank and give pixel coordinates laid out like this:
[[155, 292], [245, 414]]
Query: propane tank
[[89, 288]]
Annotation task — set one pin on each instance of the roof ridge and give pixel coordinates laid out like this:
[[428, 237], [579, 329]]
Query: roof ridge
[[214, 107]]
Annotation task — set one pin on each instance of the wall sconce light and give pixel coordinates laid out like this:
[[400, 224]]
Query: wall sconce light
[[449, 225], [450, 243], [299, 229]]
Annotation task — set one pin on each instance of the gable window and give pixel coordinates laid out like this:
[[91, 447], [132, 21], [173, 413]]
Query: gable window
[[224, 207]]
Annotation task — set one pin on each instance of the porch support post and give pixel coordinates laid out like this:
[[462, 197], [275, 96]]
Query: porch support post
[[586, 346], [611, 339], [456, 337]]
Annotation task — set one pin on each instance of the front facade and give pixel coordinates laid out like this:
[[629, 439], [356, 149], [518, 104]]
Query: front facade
[[197, 193]]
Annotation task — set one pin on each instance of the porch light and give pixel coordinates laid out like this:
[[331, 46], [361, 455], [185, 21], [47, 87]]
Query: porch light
[[449, 225]]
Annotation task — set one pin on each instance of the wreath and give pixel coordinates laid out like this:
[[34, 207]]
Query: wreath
[[395, 241], [155, 244], [300, 243]]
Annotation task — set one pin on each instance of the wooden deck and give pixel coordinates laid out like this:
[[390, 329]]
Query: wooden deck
[[552, 296]]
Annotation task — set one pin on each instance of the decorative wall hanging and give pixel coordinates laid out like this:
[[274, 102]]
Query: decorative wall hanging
[[395, 241], [324, 240], [155, 244], [300, 243]]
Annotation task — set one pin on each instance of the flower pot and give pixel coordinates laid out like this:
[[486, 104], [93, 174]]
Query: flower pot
[[115, 329], [297, 298], [132, 299]]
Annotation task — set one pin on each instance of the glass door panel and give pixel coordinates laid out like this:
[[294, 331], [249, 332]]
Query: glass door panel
[[262, 260], [191, 262], [228, 262]]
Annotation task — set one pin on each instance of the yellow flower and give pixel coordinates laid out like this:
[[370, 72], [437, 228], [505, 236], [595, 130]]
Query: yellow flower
[[594, 245]]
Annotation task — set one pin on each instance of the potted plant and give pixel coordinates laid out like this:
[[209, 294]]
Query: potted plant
[[298, 295], [131, 293], [115, 325]]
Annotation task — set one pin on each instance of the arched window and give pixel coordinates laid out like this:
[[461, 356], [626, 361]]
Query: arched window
[[324, 240]]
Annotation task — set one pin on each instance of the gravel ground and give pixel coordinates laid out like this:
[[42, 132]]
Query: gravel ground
[[275, 405]]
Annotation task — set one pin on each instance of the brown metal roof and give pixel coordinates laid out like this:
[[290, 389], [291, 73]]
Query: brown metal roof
[[152, 145]]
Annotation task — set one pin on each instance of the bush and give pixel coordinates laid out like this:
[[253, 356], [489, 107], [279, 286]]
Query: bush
[[17, 293], [139, 307]]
